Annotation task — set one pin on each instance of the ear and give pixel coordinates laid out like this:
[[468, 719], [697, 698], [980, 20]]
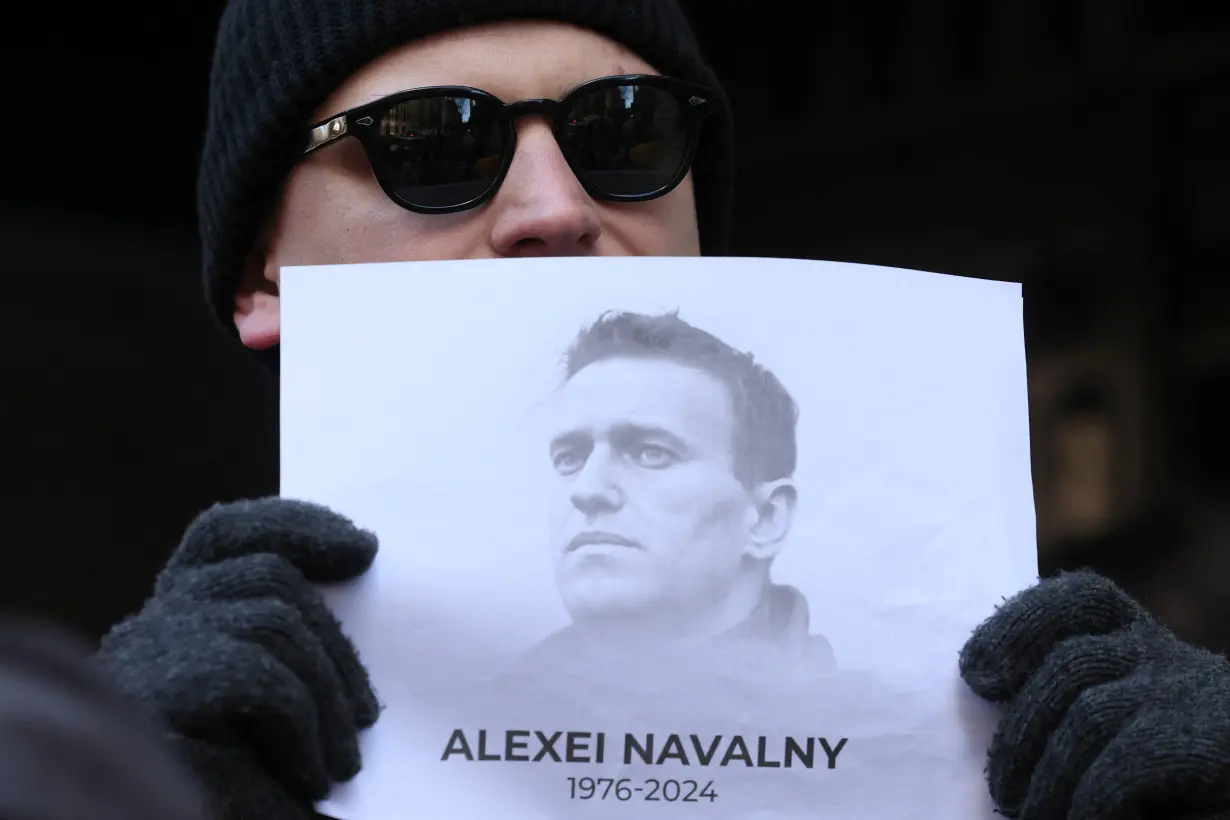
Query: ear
[[258, 306], [770, 517]]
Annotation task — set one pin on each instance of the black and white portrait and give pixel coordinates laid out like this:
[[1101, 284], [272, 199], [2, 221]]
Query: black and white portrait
[[717, 523], [674, 456]]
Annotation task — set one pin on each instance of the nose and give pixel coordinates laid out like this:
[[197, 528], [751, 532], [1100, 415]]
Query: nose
[[541, 209], [594, 489]]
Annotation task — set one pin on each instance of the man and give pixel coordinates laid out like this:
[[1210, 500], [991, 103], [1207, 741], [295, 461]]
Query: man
[[314, 155], [674, 457]]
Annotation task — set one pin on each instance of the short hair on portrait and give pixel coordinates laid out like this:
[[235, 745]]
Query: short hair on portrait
[[765, 447]]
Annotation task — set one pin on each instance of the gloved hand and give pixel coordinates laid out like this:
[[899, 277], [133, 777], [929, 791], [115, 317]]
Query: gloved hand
[[1108, 715], [241, 659]]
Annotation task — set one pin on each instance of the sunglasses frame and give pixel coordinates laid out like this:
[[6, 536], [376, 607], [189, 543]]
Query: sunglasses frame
[[696, 105]]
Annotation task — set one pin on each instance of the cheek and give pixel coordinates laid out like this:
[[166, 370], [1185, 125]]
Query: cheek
[[693, 508], [330, 216], [661, 227], [559, 504]]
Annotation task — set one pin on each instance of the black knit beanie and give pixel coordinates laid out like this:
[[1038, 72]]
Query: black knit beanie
[[276, 61]]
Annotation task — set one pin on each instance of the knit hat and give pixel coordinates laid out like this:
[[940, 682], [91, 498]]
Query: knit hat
[[276, 61]]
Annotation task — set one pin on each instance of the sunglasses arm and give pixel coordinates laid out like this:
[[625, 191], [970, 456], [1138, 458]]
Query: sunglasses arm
[[325, 133]]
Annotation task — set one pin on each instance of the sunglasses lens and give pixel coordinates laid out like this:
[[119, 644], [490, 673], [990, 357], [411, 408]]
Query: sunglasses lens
[[627, 140], [439, 152]]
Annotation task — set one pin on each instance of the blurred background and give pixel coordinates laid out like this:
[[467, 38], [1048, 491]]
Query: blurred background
[[1077, 146]]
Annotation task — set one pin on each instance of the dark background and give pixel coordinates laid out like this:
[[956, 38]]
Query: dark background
[[1077, 146]]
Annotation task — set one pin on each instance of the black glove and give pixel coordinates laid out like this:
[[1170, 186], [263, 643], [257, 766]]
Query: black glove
[[1108, 715], [241, 659]]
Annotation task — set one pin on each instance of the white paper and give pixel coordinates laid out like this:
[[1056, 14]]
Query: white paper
[[422, 399]]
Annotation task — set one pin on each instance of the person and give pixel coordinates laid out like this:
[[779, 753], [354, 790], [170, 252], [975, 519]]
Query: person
[[421, 129], [673, 456], [70, 747]]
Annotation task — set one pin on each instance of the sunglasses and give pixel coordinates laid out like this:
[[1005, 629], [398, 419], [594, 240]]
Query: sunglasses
[[448, 148]]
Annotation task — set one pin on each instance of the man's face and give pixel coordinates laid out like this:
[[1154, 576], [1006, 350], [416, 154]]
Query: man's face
[[332, 211], [648, 516]]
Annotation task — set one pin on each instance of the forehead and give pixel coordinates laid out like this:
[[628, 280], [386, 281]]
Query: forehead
[[647, 392], [513, 60]]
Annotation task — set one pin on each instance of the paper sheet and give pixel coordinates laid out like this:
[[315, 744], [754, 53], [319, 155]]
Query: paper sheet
[[640, 590]]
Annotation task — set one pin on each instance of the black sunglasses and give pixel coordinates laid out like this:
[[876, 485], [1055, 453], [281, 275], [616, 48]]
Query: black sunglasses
[[446, 149]]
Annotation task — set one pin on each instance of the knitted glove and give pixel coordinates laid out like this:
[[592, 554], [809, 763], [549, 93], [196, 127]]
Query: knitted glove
[[241, 659], [1108, 715]]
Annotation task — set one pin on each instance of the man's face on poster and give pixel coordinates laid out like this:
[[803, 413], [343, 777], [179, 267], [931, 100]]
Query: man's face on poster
[[649, 516]]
